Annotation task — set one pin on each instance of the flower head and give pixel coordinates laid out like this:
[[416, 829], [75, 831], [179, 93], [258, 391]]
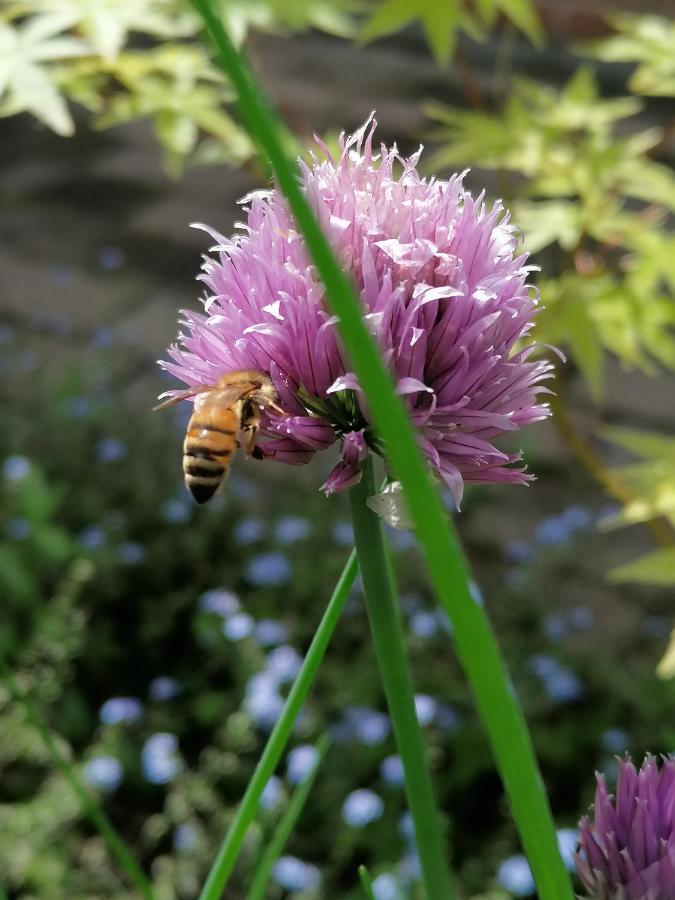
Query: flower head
[[628, 851], [443, 287]]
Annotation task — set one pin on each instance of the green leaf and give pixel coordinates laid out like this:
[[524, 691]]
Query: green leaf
[[656, 568], [439, 22], [647, 40], [548, 221], [26, 84], [524, 16], [649, 445]]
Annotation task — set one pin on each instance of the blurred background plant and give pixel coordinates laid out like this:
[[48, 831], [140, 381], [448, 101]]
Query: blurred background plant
[[150, 636]]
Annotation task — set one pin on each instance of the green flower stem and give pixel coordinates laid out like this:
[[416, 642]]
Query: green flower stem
[[285, 827], [475, 642], [387, 630], [229, 850], [103, 824], [366, 883]]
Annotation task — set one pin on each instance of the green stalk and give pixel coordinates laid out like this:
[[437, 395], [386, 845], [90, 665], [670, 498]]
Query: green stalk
[[285, 827], [474, 639], [387, 630], [105, 827], [366, 883], [229, 850]]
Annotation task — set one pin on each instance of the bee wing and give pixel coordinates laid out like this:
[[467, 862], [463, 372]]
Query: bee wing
[[184, 395]]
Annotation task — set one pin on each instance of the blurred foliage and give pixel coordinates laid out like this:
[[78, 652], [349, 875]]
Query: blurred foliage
[[441, 22], [591, 195], [652, 481], [647, 41], [582, 176], [125, 59], [128, 592], [130, 59]]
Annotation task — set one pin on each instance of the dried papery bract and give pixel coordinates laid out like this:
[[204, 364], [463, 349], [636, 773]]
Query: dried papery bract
[[444, 291], [627, 851]]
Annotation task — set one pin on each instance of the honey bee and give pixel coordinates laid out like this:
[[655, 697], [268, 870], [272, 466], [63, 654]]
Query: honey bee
[[226, 416]]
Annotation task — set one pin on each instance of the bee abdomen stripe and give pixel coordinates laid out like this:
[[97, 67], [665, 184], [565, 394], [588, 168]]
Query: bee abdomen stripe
[[200, 426], [201, 451], [197, 471]]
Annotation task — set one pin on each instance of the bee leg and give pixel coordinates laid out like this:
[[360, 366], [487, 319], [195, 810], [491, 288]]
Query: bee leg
[[257, 453], [249, 430]]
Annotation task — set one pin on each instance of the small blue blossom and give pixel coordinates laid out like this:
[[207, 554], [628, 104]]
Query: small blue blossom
[[61, 274], [343, 534], [386, 887], [111, 450], [159, 758], [219, 602], [268, 569], [567, 838], [581, 618], [391, 770], [302, 761], [577, 518], [18, 529], [238, 626], [79, 407], [425, 707], [177, 510], [563, 686], [120, 710], [518, 551], [411, 603], [6, 334], [446, 718], [515, 876], [248, 531], [269, 632], [362, 807], [411, 868], [284, 663], [615, 740], [365, 725], [475, 592], [272, 794], [92, 537], [552, 531], [543, 665], [264, 707], [104, 772], [424, 624], [185, 837], [401, 539], [131, 553], [16, 468], [102, 337], [406, 826], [290, 529], [164, 688], [111, 258], [293, 874], [555, 627]]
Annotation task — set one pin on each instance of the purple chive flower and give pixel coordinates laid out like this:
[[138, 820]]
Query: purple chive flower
[[443, 287], [628, 851]]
